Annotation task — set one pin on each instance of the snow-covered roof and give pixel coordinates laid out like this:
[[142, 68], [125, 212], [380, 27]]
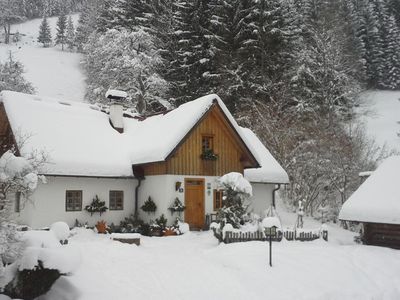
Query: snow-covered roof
[[270, 171], [116, 93], [377, 200], [77, 136], [80, 141]]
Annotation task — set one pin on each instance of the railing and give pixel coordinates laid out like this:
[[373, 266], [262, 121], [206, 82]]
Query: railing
[[290, 235]]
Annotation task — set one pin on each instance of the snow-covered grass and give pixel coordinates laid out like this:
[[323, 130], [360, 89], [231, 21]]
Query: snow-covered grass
[[195, 266], [52, 72], [382, 119]]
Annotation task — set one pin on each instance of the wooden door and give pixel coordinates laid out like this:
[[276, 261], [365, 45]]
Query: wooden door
[[194, 202]]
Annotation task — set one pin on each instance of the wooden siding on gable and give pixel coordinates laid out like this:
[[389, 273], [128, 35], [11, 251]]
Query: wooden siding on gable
[[7, 139], [232, 153]]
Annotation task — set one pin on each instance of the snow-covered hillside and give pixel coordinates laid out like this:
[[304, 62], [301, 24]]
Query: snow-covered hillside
[[382, 118], [51, 71]]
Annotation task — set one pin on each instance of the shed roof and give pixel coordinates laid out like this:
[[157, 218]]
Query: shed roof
[[377, 200], [81, 142]]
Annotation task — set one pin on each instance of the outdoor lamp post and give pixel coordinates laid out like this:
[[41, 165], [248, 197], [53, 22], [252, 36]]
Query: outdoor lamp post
[[269, 233]]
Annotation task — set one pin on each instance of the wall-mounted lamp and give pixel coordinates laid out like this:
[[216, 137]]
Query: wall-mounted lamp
[[178, 185]]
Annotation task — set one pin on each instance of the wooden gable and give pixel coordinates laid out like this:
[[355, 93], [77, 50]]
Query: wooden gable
[[7, 139], [185, 159]]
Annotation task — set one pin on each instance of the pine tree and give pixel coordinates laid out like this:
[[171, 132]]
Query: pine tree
[[131, 64], [86, 22], [70, 36], [193, 71], [394, 6], [44, 33], [11, 77], [11, 11], [61, 37]]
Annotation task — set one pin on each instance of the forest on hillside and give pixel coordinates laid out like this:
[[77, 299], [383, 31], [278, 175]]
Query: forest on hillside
[[291, 70]]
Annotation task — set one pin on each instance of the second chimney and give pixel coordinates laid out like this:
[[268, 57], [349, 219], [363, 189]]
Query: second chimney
[[117, 99]]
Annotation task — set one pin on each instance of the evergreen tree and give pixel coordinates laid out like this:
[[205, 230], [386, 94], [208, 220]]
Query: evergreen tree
[[193, 71], [87, 22], [131, 64], [70, 36], [394, 6], [61, 37], [11, 77], [44, 33], [11, 11], [139, 13], [389, 43]]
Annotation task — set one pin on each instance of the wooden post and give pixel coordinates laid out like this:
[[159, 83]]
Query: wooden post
[[270, 250]]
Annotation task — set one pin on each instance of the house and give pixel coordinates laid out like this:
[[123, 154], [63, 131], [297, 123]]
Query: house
[[376, 204], [125, 158]]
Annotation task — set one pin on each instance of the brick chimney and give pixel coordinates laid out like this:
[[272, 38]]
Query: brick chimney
[[117, 98]]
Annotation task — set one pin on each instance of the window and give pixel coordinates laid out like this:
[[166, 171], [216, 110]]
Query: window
[[73, 200], [218, 199], [116, 200], [207, 143], [17, 206]]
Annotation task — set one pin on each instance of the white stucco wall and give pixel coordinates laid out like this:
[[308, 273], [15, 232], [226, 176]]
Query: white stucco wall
[[48, 201], [262, 197], [161, 188]]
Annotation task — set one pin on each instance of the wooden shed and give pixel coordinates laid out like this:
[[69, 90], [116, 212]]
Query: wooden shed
[[376, 204]]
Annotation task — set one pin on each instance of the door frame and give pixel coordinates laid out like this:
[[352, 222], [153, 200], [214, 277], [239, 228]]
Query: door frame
[[203, 202]]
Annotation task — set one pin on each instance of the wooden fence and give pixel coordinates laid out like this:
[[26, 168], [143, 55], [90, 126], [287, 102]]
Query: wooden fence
[[290, 235]]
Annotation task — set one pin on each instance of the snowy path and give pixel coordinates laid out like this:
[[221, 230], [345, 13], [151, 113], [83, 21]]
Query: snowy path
[[382, 117], [194, 266], [52, 72]]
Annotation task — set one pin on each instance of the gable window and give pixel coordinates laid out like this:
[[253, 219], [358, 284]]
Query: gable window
[[116, 200], [73, 200], [207, 143], [218, 199], [17, 206]]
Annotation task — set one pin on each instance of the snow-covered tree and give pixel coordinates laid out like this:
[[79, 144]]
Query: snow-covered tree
[[17, 175], [11, 11], [61, 37], [44, 33], [237, 191], [70, 36], [127, 61], [11, 77], [86, 22]]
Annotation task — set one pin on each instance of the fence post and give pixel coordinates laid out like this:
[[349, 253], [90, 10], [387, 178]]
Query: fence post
[[325, 235]]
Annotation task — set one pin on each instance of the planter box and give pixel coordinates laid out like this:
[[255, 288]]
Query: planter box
[[128, 238]]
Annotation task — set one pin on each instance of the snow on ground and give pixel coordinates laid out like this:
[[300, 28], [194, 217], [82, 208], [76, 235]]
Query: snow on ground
[[382, 117], [194, 266], [52, 72]]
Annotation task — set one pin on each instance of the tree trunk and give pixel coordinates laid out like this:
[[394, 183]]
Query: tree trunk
[[7, 29]]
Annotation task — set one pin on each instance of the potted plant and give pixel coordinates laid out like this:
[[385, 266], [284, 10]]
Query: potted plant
[[149, 206], [159, 225], [177, 206], [96, 206], [209, 155], [101, 227]]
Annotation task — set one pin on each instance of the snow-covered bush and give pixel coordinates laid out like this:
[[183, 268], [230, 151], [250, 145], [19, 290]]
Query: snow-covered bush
[[237, 191], [41, 264], [61, 231], [17, 174]]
